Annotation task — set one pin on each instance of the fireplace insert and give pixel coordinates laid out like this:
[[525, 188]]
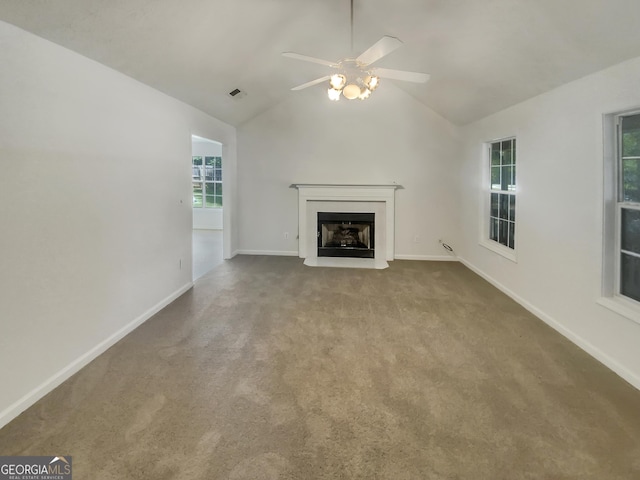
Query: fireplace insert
[[346, 234]]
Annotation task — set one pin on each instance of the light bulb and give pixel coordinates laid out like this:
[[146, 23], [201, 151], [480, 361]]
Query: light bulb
[[364, 94], [333, 94], [337, 81], [372, 82]]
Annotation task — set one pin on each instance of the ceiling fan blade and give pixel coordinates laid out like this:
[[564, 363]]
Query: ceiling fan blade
[[298, 56], [375, 52], [312, 83], [401, 75]]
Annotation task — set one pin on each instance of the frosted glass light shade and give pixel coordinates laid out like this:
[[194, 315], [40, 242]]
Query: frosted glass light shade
[[372, 82], [338, 81], [364, 94], [333, 94], [351, 91]]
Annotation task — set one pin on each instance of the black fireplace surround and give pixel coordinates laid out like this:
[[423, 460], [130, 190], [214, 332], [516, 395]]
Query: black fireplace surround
[[346, 234]]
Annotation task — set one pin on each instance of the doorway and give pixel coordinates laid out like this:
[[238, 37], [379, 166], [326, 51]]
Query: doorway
[[206, 172]]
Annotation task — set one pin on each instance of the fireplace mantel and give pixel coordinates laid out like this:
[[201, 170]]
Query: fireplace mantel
[[393, 186], [357, 196]]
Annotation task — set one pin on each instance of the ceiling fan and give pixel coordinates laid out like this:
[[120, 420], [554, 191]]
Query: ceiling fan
[[356, 77]]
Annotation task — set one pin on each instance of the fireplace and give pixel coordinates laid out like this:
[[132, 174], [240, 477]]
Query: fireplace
[[346, 198], [346, 234]]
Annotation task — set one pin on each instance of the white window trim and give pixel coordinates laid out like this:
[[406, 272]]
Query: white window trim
[[622, 306], [485, 205], [619, 250], [499, 248], [610, 288]]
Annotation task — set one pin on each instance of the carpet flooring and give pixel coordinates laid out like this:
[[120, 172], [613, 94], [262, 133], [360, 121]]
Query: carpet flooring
[[268, 369]]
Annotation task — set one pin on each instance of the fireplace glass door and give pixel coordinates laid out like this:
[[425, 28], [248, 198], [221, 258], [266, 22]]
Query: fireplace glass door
[[346, 234]]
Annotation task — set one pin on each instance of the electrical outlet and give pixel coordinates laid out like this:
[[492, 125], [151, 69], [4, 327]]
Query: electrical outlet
[[286, 235], [416, 239]]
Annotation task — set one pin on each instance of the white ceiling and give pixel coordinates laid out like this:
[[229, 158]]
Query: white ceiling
[[483, 55]]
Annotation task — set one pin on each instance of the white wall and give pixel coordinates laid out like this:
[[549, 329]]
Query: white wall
[[559, 211], [207, 218], [308, 139], [95, 209]]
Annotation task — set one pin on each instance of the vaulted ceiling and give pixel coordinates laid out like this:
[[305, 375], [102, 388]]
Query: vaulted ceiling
[[483, 55]]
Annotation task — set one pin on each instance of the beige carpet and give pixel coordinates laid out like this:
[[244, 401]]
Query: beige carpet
[[268, 369]]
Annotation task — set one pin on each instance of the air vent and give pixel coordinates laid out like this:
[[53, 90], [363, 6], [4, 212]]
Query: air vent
[[237, 93]]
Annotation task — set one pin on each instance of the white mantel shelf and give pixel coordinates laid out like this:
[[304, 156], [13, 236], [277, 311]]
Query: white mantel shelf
[[378, 199], [394, 186]]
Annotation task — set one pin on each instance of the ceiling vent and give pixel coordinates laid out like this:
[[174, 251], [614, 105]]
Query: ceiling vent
[[237, 94]]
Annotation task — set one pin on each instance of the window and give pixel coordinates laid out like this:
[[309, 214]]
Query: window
[[628, 206], [207, 182], [502, 192]]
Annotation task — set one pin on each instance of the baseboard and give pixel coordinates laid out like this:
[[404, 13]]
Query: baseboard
[[277, 253], [52, 382], [585, 345], [429, 258]]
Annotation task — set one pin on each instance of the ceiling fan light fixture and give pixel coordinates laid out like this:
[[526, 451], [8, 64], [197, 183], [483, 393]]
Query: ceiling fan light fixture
[[338, 81], [351, 91], [334, 95], [355, 78]]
